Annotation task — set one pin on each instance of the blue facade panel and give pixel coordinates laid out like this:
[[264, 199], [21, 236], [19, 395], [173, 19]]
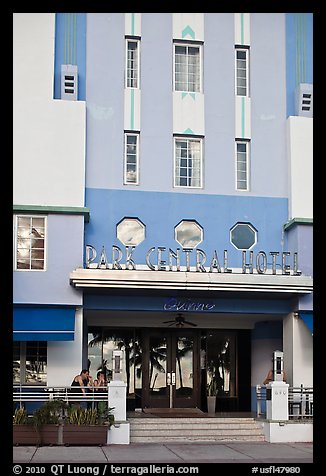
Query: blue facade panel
[[161, 212], [299, 55], [70, 48]]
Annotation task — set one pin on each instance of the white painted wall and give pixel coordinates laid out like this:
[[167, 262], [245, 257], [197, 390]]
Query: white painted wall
[[188, 113], [194, 20], [300, 157], [288, 432], [298, 351], [48, 135], [242, 37], [65, 358]]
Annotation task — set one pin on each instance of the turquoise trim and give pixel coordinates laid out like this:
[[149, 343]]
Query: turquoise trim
[[193, 95], [188, 31], [243, 117], [132, 109], [184, 95], [52, 210], [297, 221], [242, 27], [188, 131], [133, 24]]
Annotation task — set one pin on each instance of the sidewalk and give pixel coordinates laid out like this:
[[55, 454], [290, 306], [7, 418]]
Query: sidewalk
[[180, 453]]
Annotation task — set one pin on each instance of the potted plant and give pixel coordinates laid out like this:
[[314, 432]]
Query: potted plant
[[23, 431], [48, 421], [44, 427], [211, 396], [86, 426]]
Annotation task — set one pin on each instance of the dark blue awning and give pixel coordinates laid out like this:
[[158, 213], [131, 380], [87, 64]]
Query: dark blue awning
[[41, 323], [307, 318]]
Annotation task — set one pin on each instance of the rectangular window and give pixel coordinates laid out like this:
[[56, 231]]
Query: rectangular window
[[30, 242], [187, 68], [242, 71], [187, 162], [242, 165], [131, 159], [30, 362], [132, 63]]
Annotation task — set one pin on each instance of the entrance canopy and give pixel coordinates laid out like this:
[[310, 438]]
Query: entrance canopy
[[43, 324]]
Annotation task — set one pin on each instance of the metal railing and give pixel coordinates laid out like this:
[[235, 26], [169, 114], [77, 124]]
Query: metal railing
[[300, 402], [23, 394]]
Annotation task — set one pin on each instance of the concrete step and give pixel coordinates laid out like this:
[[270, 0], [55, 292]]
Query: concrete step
[[185, 438], [194, 429]]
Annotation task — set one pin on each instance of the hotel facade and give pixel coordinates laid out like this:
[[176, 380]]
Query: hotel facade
[[163, 201]]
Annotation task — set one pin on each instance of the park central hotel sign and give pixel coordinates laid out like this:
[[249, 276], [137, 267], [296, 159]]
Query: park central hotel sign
[[162, 259]]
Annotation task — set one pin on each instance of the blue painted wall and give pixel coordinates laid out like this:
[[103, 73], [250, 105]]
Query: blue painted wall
[[70, 48], [64, 253], [299, 54], [161, 212]]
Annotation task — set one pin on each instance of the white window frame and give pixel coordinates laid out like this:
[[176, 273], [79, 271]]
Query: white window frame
[[125, 178], [246, 51], [189, 45], [187, 138], [247, 143], [16, 242], [137, 41]]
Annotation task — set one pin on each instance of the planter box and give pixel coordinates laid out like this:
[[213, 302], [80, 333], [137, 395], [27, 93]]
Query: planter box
[[29, 436], [85, 434]]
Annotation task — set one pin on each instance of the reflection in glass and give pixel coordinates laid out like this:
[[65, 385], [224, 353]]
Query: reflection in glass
[[102, 343], [243, 236], [36, 362], [157, 365], [221, 362], [131, 232], [189, 234], [184, 366]]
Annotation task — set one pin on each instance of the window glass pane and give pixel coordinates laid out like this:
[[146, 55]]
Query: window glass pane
[[16, 362], [241, 54], [36, 362], [221, 368]]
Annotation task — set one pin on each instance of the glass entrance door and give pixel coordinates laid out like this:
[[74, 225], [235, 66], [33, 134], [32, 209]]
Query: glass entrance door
[[170, 369]]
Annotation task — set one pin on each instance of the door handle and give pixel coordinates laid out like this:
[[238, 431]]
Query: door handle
[[173, 378], [168, 378]]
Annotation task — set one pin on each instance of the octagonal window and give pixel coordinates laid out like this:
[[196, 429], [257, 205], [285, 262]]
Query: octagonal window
[[243, 236], [131, 231], [188, 233]]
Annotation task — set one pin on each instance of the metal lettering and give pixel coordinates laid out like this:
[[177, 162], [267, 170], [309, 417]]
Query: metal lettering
[[215, 263], [285, 267], [261, 262], [103, 262], [200, 261], [116, 261], [148, 254], [226, 269], [160, 262], [273, 255], [176, 256], [296, 271], [245, 265], [90, 255], [187, 251], [129, 260]]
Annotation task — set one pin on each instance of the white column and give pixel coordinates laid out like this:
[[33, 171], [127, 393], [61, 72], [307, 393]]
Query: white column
[[277, 401]]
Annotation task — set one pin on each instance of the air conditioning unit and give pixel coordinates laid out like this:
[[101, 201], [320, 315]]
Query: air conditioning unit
[[69, 82], [304, 100]]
